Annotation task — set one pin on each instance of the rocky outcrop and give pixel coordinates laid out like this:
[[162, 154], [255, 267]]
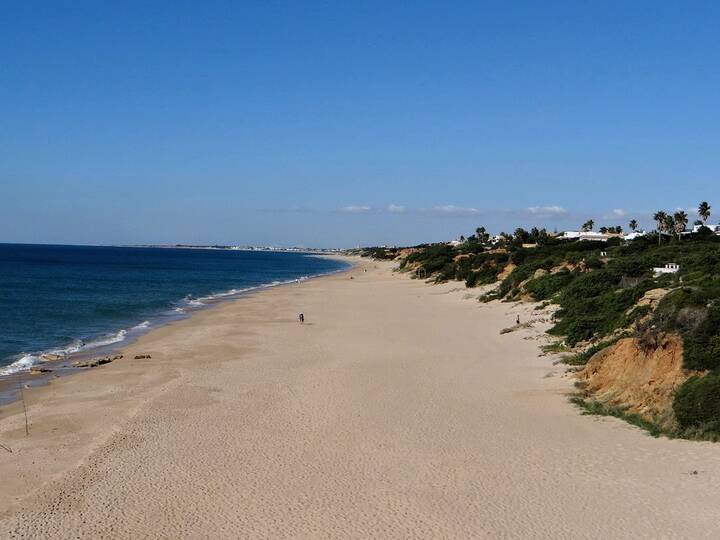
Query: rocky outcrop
[[638, 375], [570, 267], [652, 298], [38, 370], [96, 361]]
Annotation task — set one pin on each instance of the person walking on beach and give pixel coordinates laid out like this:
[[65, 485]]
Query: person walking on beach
[[301, 318], [517, 321]]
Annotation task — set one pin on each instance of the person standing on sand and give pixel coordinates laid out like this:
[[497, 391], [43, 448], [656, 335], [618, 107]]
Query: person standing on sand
[[301, 318], [517, 321]]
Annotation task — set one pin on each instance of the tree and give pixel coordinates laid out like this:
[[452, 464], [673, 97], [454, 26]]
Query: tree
[[704, 211], [633, 224], [521, 235], [542, 236], [604, 230], [681, 220], [669, 224], [588, 225], [482, 235], [659, 217]]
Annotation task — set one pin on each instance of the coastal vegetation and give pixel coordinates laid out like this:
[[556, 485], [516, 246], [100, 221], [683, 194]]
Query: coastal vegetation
[[604, 292]]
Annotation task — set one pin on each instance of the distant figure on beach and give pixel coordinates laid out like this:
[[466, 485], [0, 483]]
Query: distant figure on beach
[[517, 321], [301, 318]]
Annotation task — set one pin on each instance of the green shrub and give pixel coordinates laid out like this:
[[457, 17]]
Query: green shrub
[[446, 273], [686, 311], [697, 403], [484, 276], [434, 258], [546, 286], [577, 329], [701, 346], [594, 263], [637, 313], [379, 253], [588, 285], [584, 357], [592, 407]]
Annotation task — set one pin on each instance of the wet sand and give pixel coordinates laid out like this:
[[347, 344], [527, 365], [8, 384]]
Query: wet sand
[[397, 410]]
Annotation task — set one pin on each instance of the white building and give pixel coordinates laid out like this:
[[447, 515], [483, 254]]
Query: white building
[[713, 228], [585, 235], [633, 235], [669, 268]]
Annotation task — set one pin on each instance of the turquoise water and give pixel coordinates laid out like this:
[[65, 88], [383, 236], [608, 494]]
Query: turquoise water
[[69, 299]]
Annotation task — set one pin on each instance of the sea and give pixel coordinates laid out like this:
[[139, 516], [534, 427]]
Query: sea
[[69, 300]]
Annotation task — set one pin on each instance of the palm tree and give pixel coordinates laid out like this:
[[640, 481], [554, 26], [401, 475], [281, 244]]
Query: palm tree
[[633, 224], [704, 211], [681, 220], [669, 224], [659, 217]]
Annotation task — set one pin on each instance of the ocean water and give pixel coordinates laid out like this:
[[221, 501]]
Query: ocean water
[[73, 299]]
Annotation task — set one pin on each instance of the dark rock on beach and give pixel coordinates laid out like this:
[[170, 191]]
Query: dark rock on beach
[[38, 370], [93, 363]]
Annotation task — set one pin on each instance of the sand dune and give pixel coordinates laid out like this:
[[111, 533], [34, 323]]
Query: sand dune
[[397, 410]]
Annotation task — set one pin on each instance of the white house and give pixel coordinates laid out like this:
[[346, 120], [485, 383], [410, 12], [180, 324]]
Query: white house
[[585, 235], [633, 235], [669, 268], [495, 239], [713, 228]]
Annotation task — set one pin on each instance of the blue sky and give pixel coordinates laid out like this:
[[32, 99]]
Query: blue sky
[[338, 123]]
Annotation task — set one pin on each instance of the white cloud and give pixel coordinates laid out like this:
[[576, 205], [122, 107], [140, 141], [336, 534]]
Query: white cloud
[[356, 209], [395, 208], [617, 213], [547, 210], [450, 209]]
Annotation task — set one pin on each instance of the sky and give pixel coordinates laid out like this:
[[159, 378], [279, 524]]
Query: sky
[[335, 124]]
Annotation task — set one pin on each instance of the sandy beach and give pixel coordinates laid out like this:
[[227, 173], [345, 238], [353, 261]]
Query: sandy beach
[[396, 411]]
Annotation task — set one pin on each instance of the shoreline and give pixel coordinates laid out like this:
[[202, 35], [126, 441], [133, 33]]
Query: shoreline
[[10, 383], [398, 409]]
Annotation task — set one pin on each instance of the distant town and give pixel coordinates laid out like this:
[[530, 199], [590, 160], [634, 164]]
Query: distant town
[[319, 251]]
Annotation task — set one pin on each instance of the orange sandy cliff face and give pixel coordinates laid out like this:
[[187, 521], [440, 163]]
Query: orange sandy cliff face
[[643, 380], [509, 267]]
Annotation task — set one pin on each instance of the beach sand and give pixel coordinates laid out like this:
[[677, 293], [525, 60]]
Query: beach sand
[[398, 410]]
